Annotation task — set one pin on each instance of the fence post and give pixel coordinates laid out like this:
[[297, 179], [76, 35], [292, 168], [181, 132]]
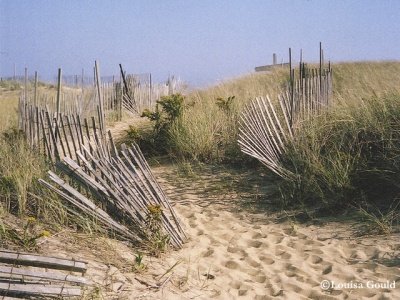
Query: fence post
[[26, 84], [101, 112], [58, 103], [291, 82], [58, 91], [321, 61], [35, 94], [150, 92]]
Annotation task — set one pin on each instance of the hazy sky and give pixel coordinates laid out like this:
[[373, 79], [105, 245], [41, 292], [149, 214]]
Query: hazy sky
[[201, 41]]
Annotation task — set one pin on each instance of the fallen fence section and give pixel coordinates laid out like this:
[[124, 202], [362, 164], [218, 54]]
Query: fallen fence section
[[25, 275], [115, 187]]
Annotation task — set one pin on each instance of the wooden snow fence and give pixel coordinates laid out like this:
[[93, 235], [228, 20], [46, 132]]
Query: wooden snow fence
[[265, 126], [262, 133], [125, 93], [27, 275], [116, 187]]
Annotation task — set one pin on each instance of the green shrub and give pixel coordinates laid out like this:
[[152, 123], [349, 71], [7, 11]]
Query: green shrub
[[168, 111]]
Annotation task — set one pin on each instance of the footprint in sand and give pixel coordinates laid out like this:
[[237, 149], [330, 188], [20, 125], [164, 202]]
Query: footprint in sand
[[226, 237], [327, 269], [260, 278], [230, 264], [211, 216], [293, 271], [190, 215], [285, 255], [315, 259], [192, 224], [208, 253], [275, 291], [252, 262], [293, 287], [254, 243], [280, 251], [266, 260], [276, 239], [240, 287], [233, 249], [290, 231], [253, 272], [256, 236], [318, 295], [317, 251], [292, 244], [301, 236], [261, 297], [235, 284]]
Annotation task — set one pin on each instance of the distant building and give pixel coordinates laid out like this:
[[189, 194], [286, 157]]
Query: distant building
[[270, 67]]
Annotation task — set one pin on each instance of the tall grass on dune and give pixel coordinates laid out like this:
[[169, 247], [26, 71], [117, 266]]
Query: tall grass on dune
[[8, 110], [348, 155], [208, 127], [20, 167], [208, 132], [357, 80], [203, 132]]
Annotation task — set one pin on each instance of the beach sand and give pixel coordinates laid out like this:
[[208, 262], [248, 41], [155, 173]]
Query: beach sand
[[234, 253]]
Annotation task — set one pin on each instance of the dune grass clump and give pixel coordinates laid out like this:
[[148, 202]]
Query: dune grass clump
[[348, 155], [208, 128], [19, 169], [10, 85]]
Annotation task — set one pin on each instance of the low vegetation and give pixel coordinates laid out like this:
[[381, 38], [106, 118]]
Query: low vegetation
[[349, 155]]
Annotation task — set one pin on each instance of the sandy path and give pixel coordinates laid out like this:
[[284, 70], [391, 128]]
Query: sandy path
[[250, 257], [235, 254]]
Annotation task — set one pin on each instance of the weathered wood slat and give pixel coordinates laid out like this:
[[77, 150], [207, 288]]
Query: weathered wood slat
[[137, 215], [159, 191], [82, 176], [87, 207], [21, 273], [38, 290], [42, 261], [45, 140], [52, 136]]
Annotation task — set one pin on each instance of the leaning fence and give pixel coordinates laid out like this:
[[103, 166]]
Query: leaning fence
[[266, 126], [116, 187]]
